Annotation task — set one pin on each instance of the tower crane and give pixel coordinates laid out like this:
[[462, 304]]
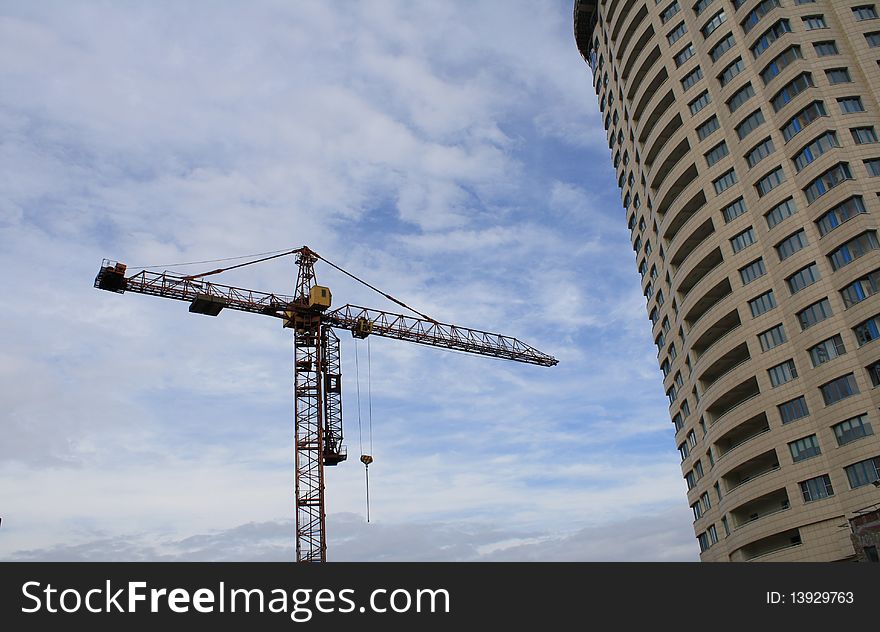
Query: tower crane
[[317, 364]]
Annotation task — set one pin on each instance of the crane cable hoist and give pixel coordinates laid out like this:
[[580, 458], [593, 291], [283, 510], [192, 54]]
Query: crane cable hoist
[[317, 366]]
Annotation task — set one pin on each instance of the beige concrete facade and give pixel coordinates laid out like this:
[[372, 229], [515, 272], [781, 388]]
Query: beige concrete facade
[[772, 477]]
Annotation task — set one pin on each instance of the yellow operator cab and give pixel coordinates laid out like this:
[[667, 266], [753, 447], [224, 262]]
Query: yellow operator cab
[[319, 297]]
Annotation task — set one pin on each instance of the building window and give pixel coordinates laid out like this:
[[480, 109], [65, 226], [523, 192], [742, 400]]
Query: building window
[[700, 102], [782, 373], [861, 288], [824, 49], [849, 105], [817, 488], [827, 181], [838, 75], [826, 350], [722, 47], [852, 429], [864, 135], [814, 149], [762, 304], [740, 96], [791, 90], [770, 181], [743, 239], [698, 510], [705, 502], [814, 313], [769, 36], [780, 63], [755, 15], [841, 388], [668, 12], [701, 6], [691, 78], [713, 535], [853, 249], [873, 39], [863, 473], [760, 151], [865, 12], [708, 127], [803, 278], [671, 394], [802, 119], [703, 539], [873, 167], [683, 55], [678, 423], [731, 71], [791, 244], [712, 25], [715, 154], [751, 122], [840, 213], [675, 34], [779, 212], [772, 337], [813, 22], [867, 331], [804, 448], [724, 182], [793, 410], [691, 480], [684, 451], [733, 210], [752, 271]]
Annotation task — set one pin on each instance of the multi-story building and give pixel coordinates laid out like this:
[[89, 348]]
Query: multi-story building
[[744, 134]]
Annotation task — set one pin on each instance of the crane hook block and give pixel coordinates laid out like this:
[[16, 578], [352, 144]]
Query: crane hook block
[[363, 328], [366, 459]]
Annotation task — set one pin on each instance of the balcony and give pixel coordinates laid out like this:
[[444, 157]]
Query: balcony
[[700, 270], [684, 215], [630, 55], [766, 546], [742, 433], [759, 508], [657, 112], [731, 399], [716, 332], [724, 365], [700, 234], [707, 302], [676, 189], [617, 22], [751, 469]]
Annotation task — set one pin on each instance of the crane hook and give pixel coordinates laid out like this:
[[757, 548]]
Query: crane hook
[[366, 459]]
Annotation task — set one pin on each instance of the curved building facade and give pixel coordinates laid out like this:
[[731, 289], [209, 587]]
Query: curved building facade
[[744, 134]]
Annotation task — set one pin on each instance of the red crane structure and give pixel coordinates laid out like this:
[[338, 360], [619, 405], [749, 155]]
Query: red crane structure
[[317, 368]]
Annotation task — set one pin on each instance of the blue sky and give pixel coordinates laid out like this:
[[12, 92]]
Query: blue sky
[[449, 153]]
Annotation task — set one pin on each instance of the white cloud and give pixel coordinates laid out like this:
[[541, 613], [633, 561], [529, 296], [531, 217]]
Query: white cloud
[[428, 148]]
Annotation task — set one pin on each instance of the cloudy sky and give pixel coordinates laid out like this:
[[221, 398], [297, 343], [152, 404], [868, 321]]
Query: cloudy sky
[[450, 153]]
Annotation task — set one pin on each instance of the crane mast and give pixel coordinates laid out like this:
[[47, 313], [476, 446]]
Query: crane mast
[[317, 372]]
